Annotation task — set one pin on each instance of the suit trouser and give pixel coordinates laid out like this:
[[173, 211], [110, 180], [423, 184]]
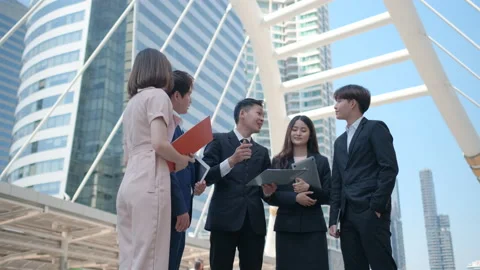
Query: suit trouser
[[224, 244], [365, 241], [177, 245]]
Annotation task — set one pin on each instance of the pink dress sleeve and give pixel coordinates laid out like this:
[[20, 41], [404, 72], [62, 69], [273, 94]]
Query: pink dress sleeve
[[159, 105]]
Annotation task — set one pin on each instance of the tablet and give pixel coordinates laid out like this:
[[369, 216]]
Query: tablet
[[201, 169], [311, 174], [277, 176]]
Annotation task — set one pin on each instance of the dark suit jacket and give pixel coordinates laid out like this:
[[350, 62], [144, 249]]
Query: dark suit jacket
[[364, 176], [183, 183], [232, 198], [293, 217]]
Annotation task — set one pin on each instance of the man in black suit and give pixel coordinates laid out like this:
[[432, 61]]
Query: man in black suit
[[363, 177], [236, 217]]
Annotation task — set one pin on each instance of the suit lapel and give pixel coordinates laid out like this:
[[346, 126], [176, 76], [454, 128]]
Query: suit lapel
[[342, 150], [255, 147], [289, 163], [234, 142], [177, 133], [351, 148]]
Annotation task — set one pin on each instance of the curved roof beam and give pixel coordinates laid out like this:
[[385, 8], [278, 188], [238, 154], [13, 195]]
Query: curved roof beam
[[260, 38], [413, 34]]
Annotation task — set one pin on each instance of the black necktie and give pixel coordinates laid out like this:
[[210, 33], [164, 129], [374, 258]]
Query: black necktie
[[245, 141]]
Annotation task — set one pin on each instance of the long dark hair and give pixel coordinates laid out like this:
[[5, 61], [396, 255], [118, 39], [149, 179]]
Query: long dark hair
[[281, 160], [151, 68]]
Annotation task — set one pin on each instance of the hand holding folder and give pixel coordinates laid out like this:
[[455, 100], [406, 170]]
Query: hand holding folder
[[193, 140]]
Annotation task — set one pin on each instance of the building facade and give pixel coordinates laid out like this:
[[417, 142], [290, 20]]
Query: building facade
[[446, 243], [437, 228], [154, 22], [99, 107], [10, 65], [431, 220], [54, 52], [308, 24], [60, 37]]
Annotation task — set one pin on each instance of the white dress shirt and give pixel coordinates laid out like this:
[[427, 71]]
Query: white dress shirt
[[178, 120], [225, 166], [351, 131]]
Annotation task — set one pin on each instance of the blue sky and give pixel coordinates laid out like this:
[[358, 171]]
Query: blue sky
[[422, 139], [24, 2]]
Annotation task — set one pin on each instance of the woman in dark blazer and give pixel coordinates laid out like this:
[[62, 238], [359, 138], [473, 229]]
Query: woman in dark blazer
[[301, 240]]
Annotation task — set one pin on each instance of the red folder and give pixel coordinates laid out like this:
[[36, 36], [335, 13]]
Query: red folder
[[193, 140]]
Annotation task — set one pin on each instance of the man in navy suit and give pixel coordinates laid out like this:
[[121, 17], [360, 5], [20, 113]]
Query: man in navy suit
[[184, 183], [363, 177]]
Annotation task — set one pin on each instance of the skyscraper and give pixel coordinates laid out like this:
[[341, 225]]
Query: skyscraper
[[446, 244], [10, 65], [154, 21], [431, 220], [310, 23], [100, 104], [61, 36], [396, 227], [440, 250]]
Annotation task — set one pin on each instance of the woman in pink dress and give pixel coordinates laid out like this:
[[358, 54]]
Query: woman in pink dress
[[143, 201]]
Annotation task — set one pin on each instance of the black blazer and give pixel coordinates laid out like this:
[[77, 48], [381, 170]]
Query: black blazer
[[293, 217], [365, 176], [232, 198]]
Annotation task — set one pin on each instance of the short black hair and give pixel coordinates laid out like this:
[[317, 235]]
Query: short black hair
[[182, 82], [354, 92], [150, 69], [245, 104]]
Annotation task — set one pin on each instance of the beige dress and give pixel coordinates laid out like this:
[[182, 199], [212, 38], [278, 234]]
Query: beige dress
[[143, 201]]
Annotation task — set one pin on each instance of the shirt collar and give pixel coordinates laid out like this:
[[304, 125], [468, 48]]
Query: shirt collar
[[177, 118], [355, 124], [239, 136], [146, 88]]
